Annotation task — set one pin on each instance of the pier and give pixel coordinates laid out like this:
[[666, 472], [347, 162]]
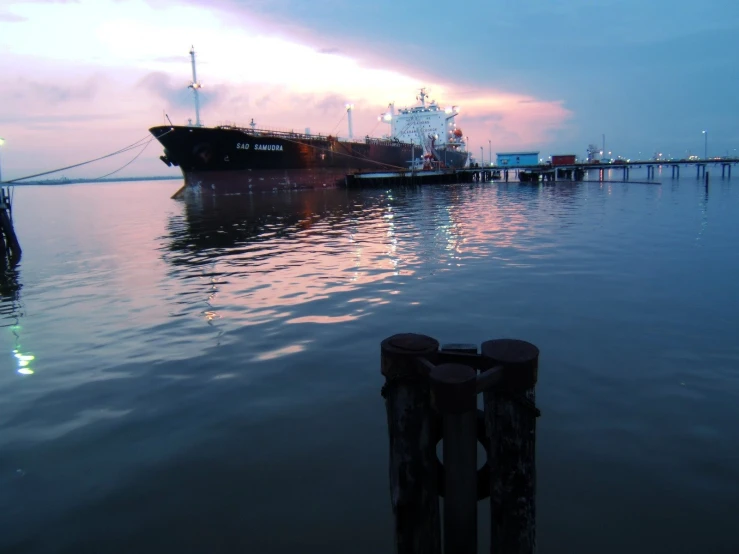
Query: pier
[[577, 171], [531, 173], [10, 248]]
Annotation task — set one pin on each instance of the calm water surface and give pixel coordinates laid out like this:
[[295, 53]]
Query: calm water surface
[[206, 374]]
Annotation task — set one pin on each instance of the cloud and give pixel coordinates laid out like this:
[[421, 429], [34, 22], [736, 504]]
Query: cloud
[[332, 50], [177, 94], [171, 59], [331, 103], [51, 93], [8, 17], [53, 121]]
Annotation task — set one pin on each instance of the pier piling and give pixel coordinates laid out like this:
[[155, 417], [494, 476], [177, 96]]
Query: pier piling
[[10, 248], [431, 394], [413, 480], [510, 421], [454, 395]]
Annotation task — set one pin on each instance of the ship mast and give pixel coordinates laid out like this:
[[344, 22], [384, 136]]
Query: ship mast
[[195, 86]]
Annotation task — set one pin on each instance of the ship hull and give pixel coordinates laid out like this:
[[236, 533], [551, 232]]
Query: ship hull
[[234, 160]]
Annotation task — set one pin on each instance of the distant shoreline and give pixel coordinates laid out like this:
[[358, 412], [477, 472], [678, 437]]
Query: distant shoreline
[[65, 181]]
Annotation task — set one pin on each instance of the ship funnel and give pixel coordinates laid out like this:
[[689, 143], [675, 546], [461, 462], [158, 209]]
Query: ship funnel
[[349, 108]]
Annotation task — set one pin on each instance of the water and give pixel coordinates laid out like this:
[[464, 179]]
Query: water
[[206, 374]]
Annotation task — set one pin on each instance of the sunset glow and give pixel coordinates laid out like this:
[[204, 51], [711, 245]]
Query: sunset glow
[[121, 65]]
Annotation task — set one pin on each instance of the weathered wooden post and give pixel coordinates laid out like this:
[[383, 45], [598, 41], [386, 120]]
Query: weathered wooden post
[[413, 476], [454, 394], [11, 246], [510, 421]]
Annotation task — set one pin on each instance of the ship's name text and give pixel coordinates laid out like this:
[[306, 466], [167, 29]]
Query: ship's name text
[[246, 146]]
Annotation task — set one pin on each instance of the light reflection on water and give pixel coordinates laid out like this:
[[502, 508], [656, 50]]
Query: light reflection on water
[[211, 366]]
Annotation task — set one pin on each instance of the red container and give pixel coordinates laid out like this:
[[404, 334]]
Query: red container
[[563, 159]]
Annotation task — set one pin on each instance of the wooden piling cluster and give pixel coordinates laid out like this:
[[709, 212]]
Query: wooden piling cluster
[[10, 248], [430, 395]]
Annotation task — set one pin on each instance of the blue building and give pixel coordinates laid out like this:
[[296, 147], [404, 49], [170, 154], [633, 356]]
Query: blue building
[[516, 159]]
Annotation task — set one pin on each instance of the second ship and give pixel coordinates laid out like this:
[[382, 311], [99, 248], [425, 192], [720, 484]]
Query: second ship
[[228, 159]]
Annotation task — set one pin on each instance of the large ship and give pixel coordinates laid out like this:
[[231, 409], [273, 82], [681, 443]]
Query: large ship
[[232, 159]]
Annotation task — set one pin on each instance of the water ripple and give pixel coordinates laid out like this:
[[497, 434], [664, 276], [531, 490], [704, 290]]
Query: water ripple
[[173, 349]]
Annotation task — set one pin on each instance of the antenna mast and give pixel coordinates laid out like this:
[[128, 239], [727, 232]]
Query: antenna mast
[[195, 86], [422, 97]]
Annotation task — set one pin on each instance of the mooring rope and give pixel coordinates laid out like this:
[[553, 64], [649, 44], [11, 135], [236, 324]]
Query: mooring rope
[[145, 146], [136, 144]]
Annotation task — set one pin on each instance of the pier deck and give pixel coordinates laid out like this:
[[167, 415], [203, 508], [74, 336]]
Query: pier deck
[[529, 173]]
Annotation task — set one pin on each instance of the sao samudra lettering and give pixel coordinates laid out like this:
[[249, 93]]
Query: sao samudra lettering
[[271, 147]]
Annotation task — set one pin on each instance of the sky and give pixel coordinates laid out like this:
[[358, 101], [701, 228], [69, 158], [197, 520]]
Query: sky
[[85, 78]]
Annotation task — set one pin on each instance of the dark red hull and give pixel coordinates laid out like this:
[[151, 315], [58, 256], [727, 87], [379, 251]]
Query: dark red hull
[[245, 181]]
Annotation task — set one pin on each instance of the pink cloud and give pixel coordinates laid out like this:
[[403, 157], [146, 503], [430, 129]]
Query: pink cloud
[[8, 17], [55, 112]]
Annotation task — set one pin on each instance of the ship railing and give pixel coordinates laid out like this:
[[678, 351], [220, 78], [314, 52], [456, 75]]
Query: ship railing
[[274, 131], [291, 134]]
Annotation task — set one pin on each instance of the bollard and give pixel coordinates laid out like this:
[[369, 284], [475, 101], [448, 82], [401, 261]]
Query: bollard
[[413, 478], [454, 394], [510, 420]]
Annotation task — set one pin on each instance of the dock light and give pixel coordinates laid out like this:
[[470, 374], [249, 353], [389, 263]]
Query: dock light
[[447, 110], [388, 117]]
